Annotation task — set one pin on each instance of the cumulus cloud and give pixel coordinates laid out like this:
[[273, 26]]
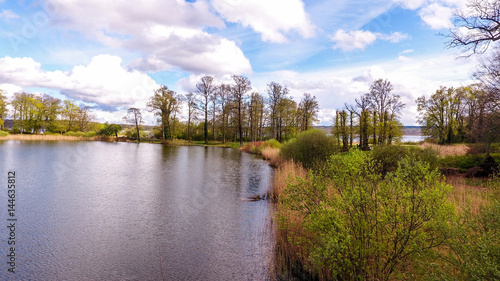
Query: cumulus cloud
[[271, 18], [437, 16], [360, 39], [103, 81], [196, 51], [168, 34]]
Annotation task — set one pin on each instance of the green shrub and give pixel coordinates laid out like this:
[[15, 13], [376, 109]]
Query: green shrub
[[462, 162], [90, 134], [4, 133], [360, 226], [70, 134], [388, 156], [310, 148], [273, 143]]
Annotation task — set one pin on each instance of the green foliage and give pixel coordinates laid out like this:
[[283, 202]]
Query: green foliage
[[110, 130], [273, 143], [360, 226], [475, 251], [74, 134], [310, 148], [465, 162], [388, 156], [4, 133], [90, 134]]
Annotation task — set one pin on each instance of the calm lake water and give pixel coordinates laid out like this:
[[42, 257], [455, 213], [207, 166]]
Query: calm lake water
[[122, 211]]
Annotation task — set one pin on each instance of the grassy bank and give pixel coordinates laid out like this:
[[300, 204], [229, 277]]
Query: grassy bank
[[348, 221]]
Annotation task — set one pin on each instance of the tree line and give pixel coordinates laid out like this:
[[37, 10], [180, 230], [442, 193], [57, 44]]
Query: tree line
[[224, 111]]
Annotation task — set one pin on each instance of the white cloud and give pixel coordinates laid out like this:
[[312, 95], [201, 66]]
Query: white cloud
[[407, 51], [360, 39], [195, 51], [103, 81], [394, 37], [271, 18], [353, 40], [411, 78], [8, 14], [437, 16], [167, 34]]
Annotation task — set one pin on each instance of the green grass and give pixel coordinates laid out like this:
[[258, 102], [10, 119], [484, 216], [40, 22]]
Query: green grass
[[465, 162]]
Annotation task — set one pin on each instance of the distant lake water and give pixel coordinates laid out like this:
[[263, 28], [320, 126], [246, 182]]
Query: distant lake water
[[412, 138], [122, 211]]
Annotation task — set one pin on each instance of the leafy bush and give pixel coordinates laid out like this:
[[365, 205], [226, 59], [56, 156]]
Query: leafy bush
[[388, 156], [273, 143], [357, 225], [4, 133], [90, 134], [310, 148]]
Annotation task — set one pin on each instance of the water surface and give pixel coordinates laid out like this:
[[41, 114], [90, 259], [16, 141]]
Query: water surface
[[122, 211]]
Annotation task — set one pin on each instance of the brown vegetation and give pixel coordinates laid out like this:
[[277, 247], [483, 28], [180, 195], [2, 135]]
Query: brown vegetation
[[447, 150]]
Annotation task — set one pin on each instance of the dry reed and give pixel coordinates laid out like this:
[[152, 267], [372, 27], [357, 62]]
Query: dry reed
[[465, 196], [47, 138], [446, 150], [272, 155]]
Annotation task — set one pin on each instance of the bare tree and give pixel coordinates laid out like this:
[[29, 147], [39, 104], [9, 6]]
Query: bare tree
[[134, 116], [224, 95], [205, 89], [476, 26], [239, 89], [308, 111], [276, 94], [191, 101]]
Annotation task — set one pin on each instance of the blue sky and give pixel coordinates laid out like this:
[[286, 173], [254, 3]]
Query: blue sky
[[113, 54]]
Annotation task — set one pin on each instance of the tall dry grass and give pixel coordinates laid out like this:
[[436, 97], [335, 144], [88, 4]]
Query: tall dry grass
[[446, 150], [465, 196], [48, 138], [289, 255], [272, 155]]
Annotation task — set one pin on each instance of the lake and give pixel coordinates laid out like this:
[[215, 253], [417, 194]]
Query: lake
[[122, 211]]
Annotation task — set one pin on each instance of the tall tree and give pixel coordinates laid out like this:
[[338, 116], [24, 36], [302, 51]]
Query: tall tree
[[276, 94], [256, 109], [164, 103], [70, 114], [308, 111], [386, 107], [241, 86], [191, 101], [134, 117], [205, 89], [3, 108], [224, 94]]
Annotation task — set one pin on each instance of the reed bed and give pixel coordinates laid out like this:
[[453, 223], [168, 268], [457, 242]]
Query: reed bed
[[466, 196], [48, 138], [272, 155], [447, 150]]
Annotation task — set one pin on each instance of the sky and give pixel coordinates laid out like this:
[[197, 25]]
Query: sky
[[112, 55]]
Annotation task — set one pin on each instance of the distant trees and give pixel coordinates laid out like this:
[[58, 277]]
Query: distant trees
[[464, 114], [164, 103], [376, 114], [241, 86]]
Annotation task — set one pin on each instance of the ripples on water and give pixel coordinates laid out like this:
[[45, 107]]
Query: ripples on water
[[122, 211]]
